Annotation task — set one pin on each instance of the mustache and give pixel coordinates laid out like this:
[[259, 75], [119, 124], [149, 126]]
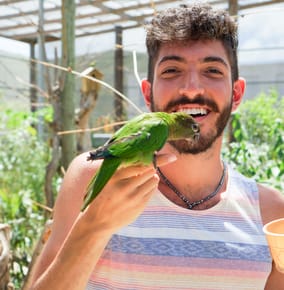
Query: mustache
[[198, 100]]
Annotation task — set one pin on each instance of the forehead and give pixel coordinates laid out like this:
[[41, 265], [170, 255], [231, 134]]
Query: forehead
[[193, 51]]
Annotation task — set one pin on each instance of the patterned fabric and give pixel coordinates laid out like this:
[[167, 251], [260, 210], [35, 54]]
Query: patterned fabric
[[170, 247]]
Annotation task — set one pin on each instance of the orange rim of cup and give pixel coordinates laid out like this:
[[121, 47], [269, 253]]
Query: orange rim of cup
[[266, 226]]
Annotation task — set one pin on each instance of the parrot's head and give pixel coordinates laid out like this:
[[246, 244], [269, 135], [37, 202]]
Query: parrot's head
[[184, 126]]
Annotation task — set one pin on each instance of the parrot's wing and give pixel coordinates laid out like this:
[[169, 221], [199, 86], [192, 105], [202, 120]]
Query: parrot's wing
[[103, 152], [134, 139], [97, 183], [143, 142]]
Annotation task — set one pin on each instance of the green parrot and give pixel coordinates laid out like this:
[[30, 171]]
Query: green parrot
[[136, 143]]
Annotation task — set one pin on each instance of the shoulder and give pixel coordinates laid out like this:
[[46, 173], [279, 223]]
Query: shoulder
[[75, 181], [71, 194], [82, 165], [271, 203]]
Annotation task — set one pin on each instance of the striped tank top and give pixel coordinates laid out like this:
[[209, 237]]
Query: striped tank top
[[170, 247]]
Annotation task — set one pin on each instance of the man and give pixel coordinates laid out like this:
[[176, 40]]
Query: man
[[194, 223]]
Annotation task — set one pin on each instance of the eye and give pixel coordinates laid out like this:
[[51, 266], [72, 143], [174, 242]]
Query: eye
[[170, 70], [214, 72], [195, 128]]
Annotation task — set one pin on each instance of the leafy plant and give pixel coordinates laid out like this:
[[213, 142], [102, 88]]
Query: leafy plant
[[23, 158], [258, 130]]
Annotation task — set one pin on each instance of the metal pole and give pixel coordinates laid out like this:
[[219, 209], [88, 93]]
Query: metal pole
[[40, 68], [33, 95], [118, 74], [233, 11]]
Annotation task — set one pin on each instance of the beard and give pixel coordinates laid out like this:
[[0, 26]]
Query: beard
[[205, 141]]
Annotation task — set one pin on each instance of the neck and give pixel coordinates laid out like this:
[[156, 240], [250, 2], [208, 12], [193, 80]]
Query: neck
[[195, 176]]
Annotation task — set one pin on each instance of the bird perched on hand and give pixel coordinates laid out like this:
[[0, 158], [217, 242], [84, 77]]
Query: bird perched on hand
[[136, 143]]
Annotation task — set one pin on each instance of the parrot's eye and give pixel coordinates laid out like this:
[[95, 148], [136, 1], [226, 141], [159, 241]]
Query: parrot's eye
[[195, 128]]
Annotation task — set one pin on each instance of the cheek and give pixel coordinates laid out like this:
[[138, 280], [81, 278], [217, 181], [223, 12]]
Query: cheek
[[163, 92], [158, 95], [159, 100], [223, 94]]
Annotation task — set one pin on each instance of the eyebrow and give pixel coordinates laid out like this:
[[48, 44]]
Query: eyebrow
[[171, 57], [181, 59], [215, 59]]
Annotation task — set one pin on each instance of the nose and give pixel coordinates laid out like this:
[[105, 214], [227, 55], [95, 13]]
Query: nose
[[192, 86]]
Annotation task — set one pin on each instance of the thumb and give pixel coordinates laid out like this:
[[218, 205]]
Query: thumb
[[163, 159]]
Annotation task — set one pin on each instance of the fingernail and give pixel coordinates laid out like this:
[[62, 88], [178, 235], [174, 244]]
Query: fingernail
[[171, 158]]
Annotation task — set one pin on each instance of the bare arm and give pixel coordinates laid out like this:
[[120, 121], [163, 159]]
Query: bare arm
[[78, 239], [272, 207]]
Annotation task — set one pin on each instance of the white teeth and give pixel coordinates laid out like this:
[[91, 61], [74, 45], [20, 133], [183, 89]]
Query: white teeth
[[194, 111]]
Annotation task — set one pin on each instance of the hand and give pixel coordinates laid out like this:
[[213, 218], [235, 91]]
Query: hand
[[125, 196]]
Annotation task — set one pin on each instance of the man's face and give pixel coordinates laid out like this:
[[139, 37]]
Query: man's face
[[195, 78]]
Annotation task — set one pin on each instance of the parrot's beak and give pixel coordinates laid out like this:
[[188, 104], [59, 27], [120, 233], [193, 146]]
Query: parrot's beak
[[196, 130], [196, 136]]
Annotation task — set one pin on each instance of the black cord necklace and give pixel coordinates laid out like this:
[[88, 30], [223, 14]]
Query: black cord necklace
[[191, 205]]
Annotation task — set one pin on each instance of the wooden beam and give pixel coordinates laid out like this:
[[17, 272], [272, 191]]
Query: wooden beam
[[259, 4], [233, 7]]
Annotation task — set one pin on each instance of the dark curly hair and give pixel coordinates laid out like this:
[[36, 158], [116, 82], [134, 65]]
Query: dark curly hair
[[195, 22]]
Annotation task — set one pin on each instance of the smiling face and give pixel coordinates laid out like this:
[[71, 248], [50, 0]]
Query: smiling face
[[195, 77]]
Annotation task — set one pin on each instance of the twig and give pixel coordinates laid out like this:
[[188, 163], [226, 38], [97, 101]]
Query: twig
[[90, 129], [42, 206], [70, 70]]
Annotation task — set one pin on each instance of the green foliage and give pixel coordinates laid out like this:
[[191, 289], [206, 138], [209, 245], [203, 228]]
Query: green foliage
[[23, 159], [258, 130]]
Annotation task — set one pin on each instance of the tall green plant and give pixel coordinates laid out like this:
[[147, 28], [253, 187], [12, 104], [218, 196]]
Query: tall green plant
[[23, 159], [258, 129]]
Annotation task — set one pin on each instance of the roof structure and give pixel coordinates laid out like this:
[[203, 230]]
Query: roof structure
[[19, 19]]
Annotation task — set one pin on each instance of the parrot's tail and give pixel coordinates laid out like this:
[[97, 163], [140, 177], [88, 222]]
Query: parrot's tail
[[98, 182]]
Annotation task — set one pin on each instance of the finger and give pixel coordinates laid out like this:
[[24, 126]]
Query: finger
[[146, 176], [133, 171], [142, 190], [146, 189]]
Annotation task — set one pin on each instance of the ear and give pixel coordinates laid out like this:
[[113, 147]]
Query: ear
[[238, 93], [146, 91]]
